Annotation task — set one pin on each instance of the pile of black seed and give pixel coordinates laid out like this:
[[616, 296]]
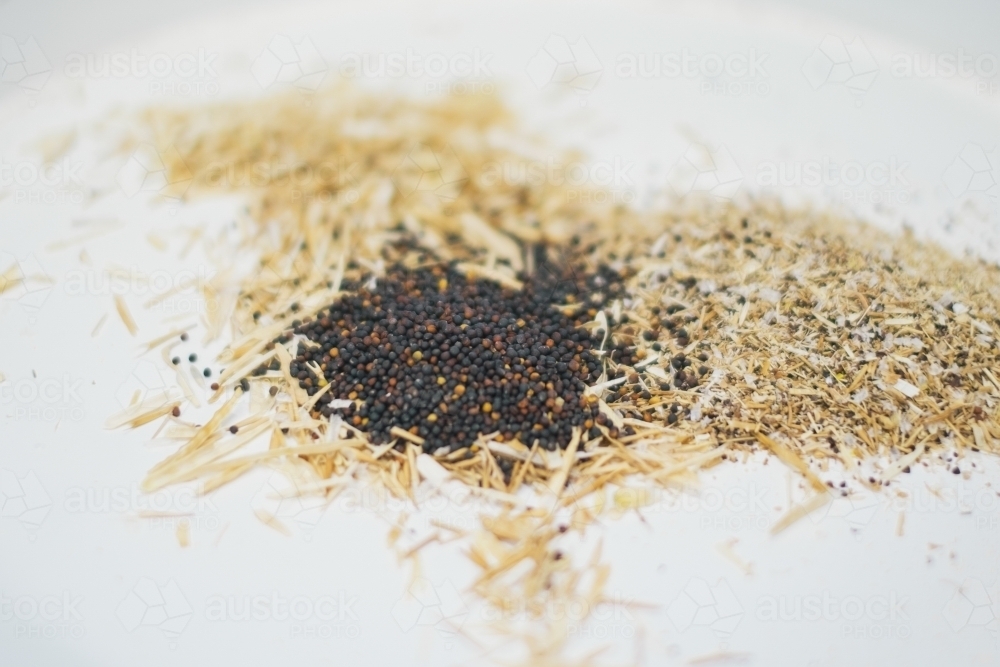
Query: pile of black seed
[[449, 358]]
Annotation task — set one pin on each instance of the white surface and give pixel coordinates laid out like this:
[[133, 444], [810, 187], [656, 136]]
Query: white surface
[[942, 573]]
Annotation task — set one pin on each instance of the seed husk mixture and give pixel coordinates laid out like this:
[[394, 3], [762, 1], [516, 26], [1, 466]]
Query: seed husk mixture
[[418, 318]]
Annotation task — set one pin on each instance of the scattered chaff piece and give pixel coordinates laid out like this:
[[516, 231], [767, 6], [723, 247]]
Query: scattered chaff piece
[[272, 521], [800, 511], [125, 315], [160, 340], [149, 409], [406, 435], [184, 533], [100, 325], [792, 460]]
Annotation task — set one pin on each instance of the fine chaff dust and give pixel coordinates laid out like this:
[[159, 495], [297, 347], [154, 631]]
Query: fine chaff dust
[[837, 348]]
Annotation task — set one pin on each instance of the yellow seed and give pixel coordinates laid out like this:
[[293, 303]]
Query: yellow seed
[[443, 284], [432, 417], [487, 408], [459, 390], [441, 380], [418, 355], [333, 352]]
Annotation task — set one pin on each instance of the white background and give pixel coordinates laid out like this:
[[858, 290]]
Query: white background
[[942, 573]]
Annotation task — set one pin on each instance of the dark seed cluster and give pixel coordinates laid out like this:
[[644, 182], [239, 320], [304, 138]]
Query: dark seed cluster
[[449, 358]]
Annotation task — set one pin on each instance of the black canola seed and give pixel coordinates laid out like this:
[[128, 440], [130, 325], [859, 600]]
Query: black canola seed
[[192, 357], [207, 372], [449, 358]]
